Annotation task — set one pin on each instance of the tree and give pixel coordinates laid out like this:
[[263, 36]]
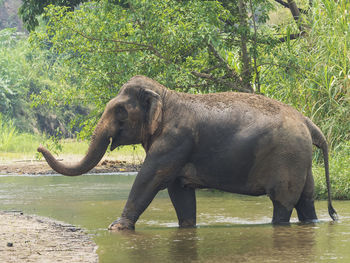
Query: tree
[[31, 9], [194, 46]]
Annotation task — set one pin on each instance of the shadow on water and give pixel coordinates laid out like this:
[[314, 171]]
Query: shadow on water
[[231, 228]]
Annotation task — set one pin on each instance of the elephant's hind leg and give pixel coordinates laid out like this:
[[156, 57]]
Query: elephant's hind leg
[[184, 202], [281, 213], [305, 206], [285, 191]]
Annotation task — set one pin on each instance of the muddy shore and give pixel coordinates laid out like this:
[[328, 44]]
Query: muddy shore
[[41, 167], [28, 238]]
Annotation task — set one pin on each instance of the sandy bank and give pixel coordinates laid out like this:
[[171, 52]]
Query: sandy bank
[[41, 167], [27, 238]]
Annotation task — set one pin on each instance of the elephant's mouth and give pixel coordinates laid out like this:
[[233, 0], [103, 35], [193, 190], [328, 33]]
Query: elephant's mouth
[[114, 143]]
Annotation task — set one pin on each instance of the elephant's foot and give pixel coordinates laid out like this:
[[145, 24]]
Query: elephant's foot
[[309, 221], [122, 224], [187, 223]]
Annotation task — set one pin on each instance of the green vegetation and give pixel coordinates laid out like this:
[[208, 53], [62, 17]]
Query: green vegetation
[[76, 59], [25, 73], [14, 84], [313, 74], [21, 145], [16, 144], [196, 46], [339, 174], [11, 140]]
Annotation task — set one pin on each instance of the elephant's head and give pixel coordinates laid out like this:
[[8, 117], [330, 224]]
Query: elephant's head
[[132, 117]]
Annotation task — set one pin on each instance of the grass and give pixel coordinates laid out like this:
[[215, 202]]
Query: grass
[[339, 174], [23, 147], [312, 73], [15, 145]]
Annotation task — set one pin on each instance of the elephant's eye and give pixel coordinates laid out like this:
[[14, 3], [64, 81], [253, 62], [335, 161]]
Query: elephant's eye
[[121, 113]]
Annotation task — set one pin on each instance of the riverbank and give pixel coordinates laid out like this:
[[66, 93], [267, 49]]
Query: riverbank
[[34, 167], [28, 238]]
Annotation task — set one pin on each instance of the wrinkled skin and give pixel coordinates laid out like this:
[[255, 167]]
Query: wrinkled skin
[[234, 142]]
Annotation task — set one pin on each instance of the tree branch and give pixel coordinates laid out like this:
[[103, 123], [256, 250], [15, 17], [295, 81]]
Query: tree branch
[[211, 69], [230, 73], [297, 17], [223, 62], [291, 37], [117, 50], [286, 5], [231, 85], [282, 3], [295, 11], [123, 42]]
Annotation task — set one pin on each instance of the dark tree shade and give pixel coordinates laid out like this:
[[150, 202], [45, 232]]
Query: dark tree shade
[[30, 9]]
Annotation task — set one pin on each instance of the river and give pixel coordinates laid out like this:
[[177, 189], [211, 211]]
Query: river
[[231, 228]]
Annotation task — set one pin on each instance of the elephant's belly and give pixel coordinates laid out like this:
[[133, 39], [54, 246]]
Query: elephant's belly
[[190, 178], [222, 178], [229, 162]]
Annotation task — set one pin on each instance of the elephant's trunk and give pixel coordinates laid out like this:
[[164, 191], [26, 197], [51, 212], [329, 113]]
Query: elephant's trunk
[[97, 149]]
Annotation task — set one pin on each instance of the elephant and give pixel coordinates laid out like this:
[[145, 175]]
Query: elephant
[[235, 142]]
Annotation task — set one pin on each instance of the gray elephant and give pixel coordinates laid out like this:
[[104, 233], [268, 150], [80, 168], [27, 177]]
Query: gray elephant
[[235, 142]]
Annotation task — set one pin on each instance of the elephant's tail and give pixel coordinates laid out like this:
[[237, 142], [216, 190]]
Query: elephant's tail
[[319, 140]]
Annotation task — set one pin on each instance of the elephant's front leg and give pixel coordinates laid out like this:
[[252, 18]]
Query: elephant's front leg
[[157, 172], [184, 201], [144, 189]]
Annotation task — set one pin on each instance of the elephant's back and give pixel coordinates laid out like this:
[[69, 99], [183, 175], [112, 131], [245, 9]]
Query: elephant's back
[[237, 101]]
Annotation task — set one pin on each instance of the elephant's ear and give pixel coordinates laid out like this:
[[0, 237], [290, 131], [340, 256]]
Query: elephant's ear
[[154, 105]]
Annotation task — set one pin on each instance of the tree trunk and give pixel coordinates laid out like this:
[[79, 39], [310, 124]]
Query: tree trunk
[[245, 58], [297, 15]]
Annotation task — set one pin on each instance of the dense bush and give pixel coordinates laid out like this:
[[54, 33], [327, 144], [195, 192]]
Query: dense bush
[[99, 46], [313, 73], [14, 84], [339, 174], [24, 73]]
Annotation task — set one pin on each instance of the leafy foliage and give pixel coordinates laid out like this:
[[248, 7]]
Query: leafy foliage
[[313, 73], [100, 46], [7, 132], [13, 83], [31, 9], [24, 73], [14, 141], [340, 175], [195, 46]]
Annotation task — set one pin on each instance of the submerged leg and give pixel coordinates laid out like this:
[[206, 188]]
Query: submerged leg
[[305, 206], [155, 174], [281, 214], [285, 194], [184, 202]]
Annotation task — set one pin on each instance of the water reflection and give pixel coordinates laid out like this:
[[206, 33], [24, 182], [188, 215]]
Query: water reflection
[[289, 239], [158, 245], [184, 245], [242, 243]]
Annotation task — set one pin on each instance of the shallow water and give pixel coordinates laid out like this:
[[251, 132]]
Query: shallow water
[[232, 228]]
